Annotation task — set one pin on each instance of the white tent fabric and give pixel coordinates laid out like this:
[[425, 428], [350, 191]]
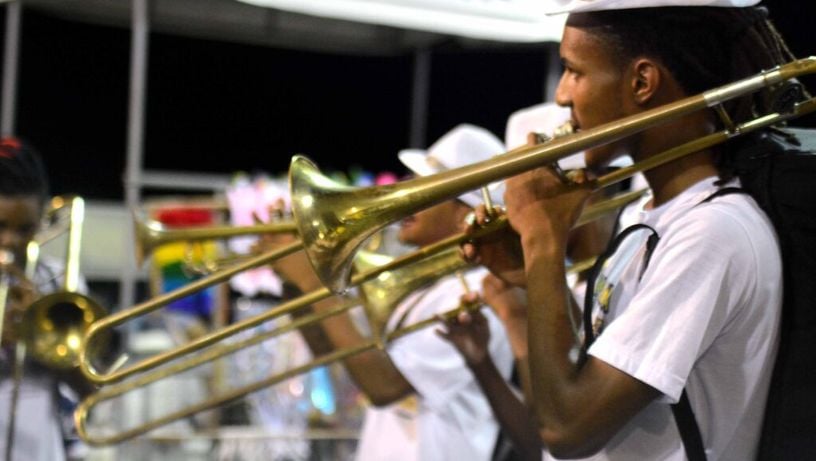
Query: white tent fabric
[[499, 20]]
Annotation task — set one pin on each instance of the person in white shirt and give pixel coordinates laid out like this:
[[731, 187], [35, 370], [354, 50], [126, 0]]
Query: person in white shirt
[[426, 404], [687, 309]]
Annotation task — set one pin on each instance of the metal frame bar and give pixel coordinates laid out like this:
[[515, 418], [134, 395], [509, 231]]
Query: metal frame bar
[[140, 34], [420, 95], [11, 63]]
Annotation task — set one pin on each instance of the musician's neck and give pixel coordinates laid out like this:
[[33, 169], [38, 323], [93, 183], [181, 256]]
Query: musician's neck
[[673, 178]]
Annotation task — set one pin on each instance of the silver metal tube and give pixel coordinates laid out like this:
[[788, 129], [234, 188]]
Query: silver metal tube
[[135, 143], [14, 12]]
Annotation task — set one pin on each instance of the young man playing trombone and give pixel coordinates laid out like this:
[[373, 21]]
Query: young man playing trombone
[[689, 306], [426, 403]]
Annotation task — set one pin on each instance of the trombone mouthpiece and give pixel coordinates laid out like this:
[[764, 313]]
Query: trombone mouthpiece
[[564, 130]]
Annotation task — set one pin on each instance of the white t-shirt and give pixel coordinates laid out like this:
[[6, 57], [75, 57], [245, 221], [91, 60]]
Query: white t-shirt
[[38, 436], [704, 316], [450, 418]]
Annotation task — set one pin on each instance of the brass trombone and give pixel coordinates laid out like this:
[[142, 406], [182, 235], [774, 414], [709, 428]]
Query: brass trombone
[[334, 219], [377, 308], [383, 281], [380, 296], [151, 234]]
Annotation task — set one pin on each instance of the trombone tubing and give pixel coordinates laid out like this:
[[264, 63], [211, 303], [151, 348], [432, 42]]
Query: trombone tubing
[[219, 232], [285, 308], [82, 411], [211, 338], [107, 393], [153, 304]]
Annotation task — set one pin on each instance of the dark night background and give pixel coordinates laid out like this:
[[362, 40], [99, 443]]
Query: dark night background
[[223, 107]]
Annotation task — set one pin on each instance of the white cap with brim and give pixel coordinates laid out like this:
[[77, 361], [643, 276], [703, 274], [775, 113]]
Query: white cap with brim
[[461, 146], [582, 6]]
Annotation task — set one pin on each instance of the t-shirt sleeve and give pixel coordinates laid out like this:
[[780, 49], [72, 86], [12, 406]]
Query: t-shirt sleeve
[[688, 293]]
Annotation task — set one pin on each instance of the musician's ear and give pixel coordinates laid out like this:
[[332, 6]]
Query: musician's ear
[[645, 80]]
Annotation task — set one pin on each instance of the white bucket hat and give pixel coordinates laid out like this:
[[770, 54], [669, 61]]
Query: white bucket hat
[[580, 6], [461, 146]]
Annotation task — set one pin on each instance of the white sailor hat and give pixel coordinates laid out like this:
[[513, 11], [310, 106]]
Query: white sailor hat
[[461, 146], [579, 6]]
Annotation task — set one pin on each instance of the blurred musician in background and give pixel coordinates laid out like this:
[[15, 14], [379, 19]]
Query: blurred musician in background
[[426, 403], [24, 191]]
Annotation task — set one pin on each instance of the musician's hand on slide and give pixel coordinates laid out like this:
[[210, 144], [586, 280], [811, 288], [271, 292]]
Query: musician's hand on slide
[[543, 203], [468, 332], [499, 252]]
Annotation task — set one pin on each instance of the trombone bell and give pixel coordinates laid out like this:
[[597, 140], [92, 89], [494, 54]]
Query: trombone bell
[[334, 220], [54, 327], [383, 294]]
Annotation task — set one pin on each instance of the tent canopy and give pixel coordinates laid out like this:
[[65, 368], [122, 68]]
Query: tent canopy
[[364, 27], [497, 20]]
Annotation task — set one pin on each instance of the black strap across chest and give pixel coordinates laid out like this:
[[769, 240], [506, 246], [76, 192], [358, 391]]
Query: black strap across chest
[[683, 414]]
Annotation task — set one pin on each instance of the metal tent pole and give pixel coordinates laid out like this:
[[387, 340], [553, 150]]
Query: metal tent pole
[[135, 139], [14, 12], [420, 95]]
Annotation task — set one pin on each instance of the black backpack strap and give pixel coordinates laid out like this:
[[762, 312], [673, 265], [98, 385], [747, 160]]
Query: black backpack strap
[[724, 191], [612, 247], [683, 414], [688, 428]]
